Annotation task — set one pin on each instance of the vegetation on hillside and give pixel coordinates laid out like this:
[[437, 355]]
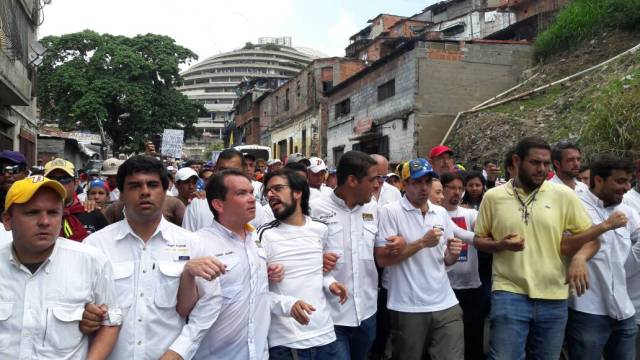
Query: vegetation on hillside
[[581, 20]]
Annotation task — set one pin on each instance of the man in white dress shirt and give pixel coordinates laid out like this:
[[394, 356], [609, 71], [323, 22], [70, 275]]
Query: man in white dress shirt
[[45, 281], [352, 218], [566, 158], [632, 197], [240, 330], [601, 321], [149, 255], [296, 240]]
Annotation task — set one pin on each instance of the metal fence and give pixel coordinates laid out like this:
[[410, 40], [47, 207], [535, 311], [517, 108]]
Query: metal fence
[[16, 28]]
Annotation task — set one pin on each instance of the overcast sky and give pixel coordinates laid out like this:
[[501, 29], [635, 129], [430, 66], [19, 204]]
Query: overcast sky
[[208, 27]]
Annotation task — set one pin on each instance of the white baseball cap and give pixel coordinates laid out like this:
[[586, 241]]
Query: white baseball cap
[[185, 174], [110, 166], [317, 165]]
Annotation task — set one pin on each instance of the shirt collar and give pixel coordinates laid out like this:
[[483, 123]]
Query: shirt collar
[[230, 234], [341, 202], [46, 265], [408, 206], [594, 201], [124, 229], [511, 189]]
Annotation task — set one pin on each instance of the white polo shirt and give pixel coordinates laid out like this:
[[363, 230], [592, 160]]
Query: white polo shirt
[[40, 312], [419, 283], [464, 273], [580, 188], [299, 249], [607, 294], [147, 276], [240, 331], [197, 215], [352, 236]]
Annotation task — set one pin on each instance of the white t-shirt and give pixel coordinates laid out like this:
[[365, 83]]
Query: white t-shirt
[[419, 283], [299, 249], [464, 273], [580, 186]]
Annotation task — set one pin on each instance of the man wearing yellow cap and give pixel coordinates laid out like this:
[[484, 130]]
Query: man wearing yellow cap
[[45, 281], [77, 223]]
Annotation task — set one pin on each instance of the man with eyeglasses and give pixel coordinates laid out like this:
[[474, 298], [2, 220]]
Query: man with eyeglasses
[[77, 223]]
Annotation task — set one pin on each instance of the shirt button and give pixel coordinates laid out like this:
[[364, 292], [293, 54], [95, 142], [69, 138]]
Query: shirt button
[[141, 294], [144, 271], [140, 342], [139, 320], [144, 248]]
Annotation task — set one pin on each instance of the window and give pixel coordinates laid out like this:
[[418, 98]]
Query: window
[[286, 100], [304, 142], [387, 90], [337, 153], [290, 145], [277, 99], [298, 89], [343, 108], [327, 85]]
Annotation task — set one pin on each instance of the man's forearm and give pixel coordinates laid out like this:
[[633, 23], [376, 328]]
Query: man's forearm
[[187, 294], [384, 258], [570, 244], [588, 250], [487, 244], [103, 342]]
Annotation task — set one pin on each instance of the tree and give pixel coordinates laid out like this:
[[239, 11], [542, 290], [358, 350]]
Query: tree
[[127, 85]]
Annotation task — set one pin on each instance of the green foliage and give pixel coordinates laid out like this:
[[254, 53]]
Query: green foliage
[[127, 84], [583, 19], [248, 46], [272, 47]]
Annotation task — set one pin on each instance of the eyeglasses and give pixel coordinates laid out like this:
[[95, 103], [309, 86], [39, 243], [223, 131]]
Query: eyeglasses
[[275, 188], [64, 180]]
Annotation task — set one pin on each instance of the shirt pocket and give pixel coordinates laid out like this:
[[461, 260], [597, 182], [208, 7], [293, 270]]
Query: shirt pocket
[[124, 282], [62, 332], [6, 310], [230, 294], [368, 241], [166, 295]]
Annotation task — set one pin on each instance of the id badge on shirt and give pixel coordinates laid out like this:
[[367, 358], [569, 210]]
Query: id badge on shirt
[[230, 259]]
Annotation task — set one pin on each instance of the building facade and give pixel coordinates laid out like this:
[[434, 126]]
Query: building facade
[[403, 104], [19, 21]]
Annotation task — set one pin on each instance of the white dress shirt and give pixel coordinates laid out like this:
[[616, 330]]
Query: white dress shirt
[[607, 294], [197, 216], [352, 235], [147, 276], [5, 236], [632, 199], [388, 194], [632, 266], [40, 312], [299, 249], [257, 192], [240, 331], [419, 283], [580, 188]]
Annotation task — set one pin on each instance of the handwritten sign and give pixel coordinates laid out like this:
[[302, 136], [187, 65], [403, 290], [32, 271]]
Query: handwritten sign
[[172, 143]]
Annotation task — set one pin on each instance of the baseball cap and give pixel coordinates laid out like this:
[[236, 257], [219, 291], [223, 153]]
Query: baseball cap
[[439, 150], [13, 156], [273, 161], [295, 157], [317, 165], [185, 173], [417, 168], [110, 166], [99, 183], [23, 190], [61, 164], [392, 174]]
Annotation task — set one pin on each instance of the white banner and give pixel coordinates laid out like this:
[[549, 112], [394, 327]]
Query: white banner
[[172, 143]]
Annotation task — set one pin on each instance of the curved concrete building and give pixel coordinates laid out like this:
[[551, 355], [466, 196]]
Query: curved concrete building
[[214, 82]]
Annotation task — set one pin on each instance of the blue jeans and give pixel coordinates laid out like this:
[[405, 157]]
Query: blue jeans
[[354, 342], [592, 336], [324, 352], [523, 326]]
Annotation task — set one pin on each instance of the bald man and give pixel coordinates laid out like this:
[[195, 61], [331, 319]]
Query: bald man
[[386, 193]]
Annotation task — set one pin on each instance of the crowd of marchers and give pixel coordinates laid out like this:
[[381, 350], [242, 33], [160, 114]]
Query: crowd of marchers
[[246, 258]]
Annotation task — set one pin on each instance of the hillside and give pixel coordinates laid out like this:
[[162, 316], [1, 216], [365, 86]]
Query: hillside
[[600, 110]]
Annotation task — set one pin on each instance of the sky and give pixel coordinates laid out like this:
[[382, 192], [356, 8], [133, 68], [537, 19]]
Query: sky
[[209, 27]]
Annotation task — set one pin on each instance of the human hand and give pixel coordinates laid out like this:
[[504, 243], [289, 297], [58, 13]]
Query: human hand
[[299, 311], [338, 289]]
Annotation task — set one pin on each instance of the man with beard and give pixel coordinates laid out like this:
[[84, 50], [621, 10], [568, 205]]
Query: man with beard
[[149, 257], [601, 322], [426, 320], [295, 240], [529, 299], [566, 158], [352, 218]]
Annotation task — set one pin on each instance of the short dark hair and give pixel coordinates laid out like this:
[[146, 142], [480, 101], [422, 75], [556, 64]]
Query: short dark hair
[[296, 182], [556, 151], [249, 157], [228, 154], [448, 177], [296, 166], [142, 164], [508, 158], [354, 163], [216, 188], [606, 164], [530, 142]]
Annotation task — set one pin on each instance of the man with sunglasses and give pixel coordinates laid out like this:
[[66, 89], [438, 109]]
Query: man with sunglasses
[[13, 167], [77, 223]]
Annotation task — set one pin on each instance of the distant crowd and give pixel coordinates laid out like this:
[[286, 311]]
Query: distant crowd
[[249, 258]]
